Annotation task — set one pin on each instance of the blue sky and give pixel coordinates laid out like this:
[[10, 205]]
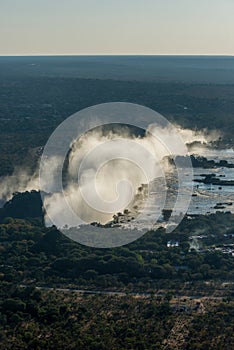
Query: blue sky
[[116, 27]]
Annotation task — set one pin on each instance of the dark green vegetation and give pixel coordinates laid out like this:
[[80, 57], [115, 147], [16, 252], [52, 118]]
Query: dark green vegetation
[[163, 316], [30, 108], [170, 311], [57, 320], [172, 297], [23, 205], [203, 162], [31, 252], [212, 179]]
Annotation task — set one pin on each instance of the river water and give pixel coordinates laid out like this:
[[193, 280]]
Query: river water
[[203, 199]]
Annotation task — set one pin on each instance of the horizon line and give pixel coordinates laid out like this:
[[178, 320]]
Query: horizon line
[[114, 54]]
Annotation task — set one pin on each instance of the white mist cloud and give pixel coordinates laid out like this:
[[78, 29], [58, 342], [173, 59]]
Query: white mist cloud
[[103, 178]]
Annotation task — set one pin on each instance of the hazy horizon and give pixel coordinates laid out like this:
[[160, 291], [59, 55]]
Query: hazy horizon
[[192, 68], [117, 54]]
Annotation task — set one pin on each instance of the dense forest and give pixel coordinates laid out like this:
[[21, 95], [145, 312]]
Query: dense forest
[[150, 294], [55, 291], [31, 108], [27, 244], [35, 319]]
